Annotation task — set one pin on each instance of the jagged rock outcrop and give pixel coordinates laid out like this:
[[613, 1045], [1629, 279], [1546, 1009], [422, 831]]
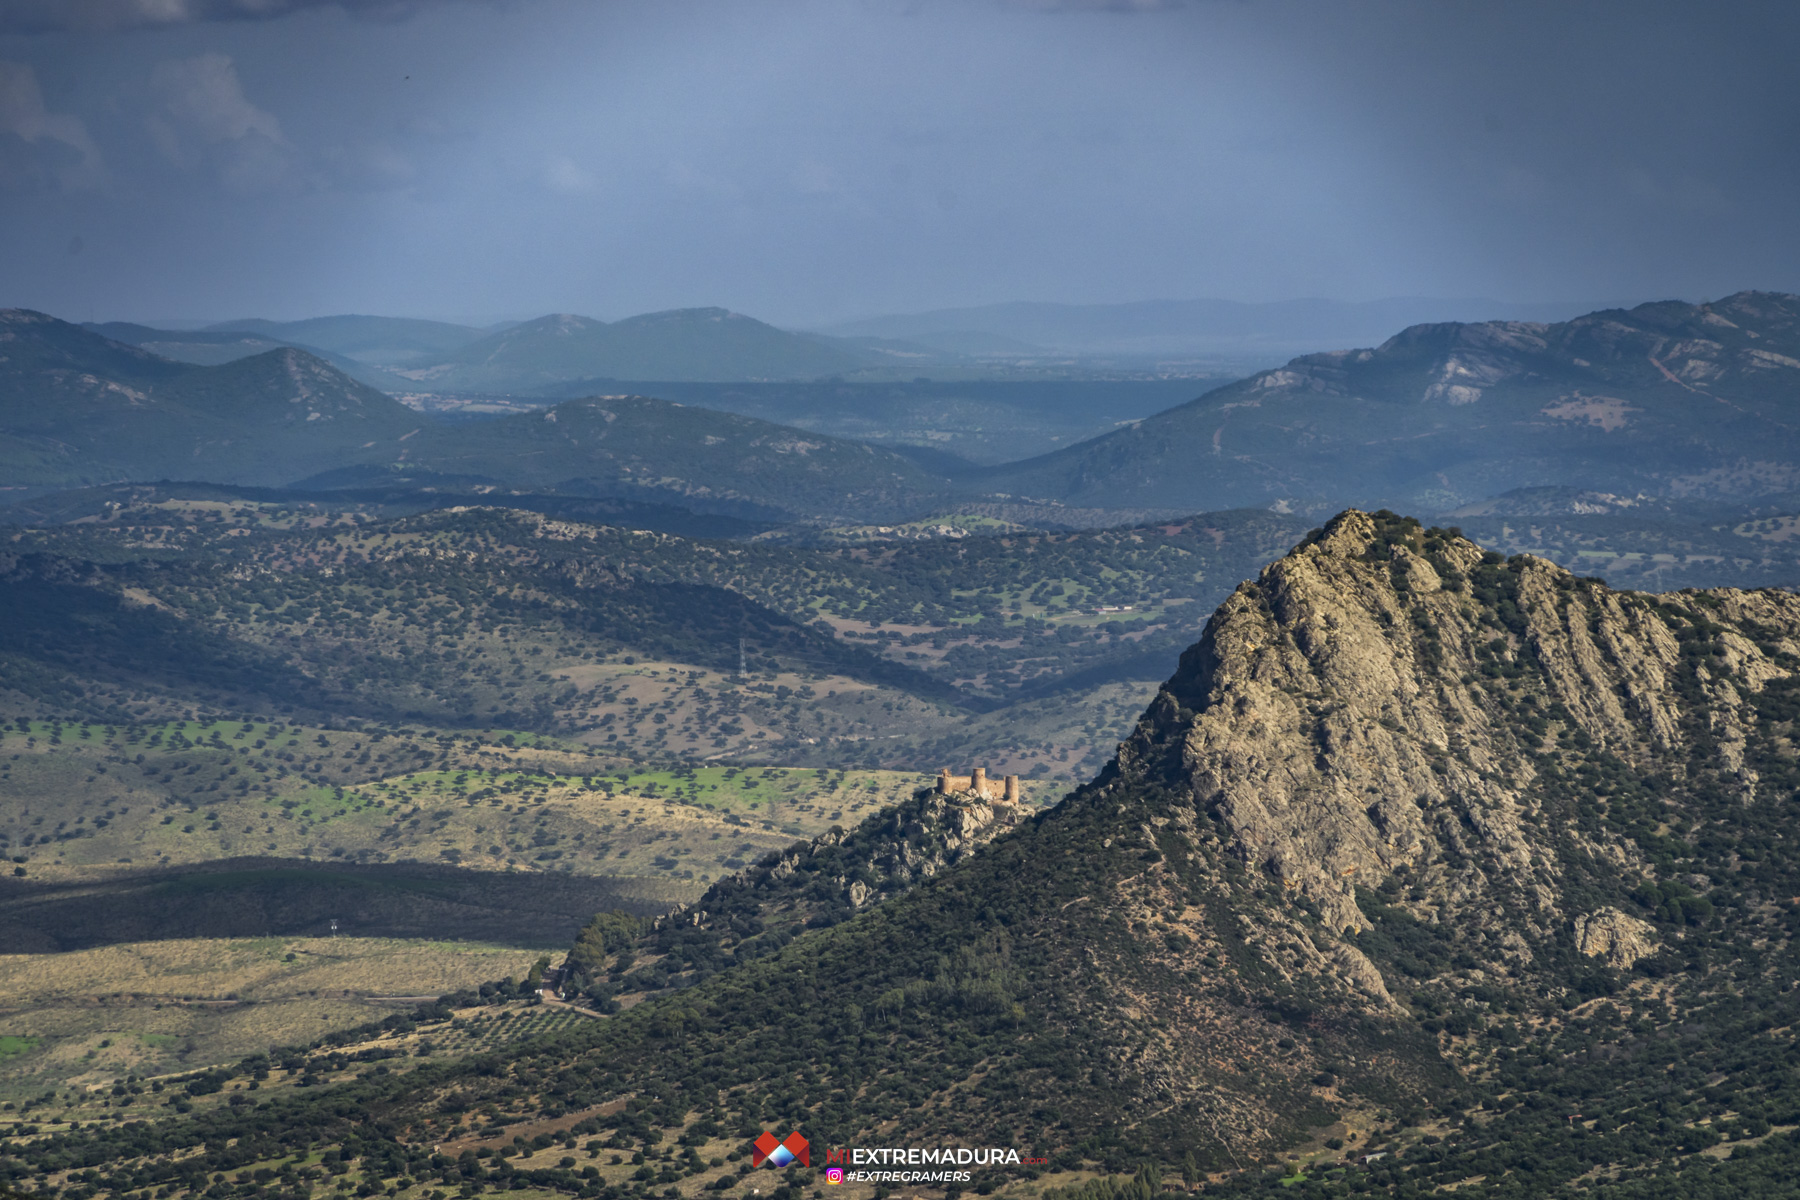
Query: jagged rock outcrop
[[1380, 709], [821, 882], [885, 855], [1616, 938]]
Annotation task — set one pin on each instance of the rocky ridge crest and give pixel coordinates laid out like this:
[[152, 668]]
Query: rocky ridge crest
[[811, 885], [885, 855]]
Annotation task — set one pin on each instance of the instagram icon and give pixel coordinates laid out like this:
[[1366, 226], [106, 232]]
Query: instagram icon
[[834, 1174]]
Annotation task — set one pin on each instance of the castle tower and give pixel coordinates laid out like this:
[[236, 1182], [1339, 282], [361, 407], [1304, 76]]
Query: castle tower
[[1012, 789], [943, 784], [978, 781]]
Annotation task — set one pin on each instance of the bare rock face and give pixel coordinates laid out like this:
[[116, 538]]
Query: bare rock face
[[926, 835], [1614, 937], [882, 857], [1386, 716]]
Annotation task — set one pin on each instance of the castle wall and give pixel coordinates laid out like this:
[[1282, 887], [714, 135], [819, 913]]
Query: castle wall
[[996, 791]]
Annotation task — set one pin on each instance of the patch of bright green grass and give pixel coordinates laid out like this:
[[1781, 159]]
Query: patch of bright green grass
[[746, 789]]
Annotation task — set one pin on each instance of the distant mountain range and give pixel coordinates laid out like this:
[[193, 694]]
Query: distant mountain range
[[214, 347], [1666, 403], [1680, 400], [563, 352], [1272, 331], [705, 344], [696, 345], [381, 341], [78, 409]]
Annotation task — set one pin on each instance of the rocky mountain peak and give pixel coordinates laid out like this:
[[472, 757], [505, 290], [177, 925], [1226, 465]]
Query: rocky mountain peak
[[1390, 715]]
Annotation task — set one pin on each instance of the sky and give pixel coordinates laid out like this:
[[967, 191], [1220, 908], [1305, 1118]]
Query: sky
[[810, 161]]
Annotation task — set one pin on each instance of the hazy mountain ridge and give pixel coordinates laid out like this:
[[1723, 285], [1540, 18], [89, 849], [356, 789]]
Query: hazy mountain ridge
[[80, 409], [1667, 399], [1167, 327], [399, 354], [381, 341], [976, 421], [94, 410], [215, 347], [689, 344], [1665, 403]]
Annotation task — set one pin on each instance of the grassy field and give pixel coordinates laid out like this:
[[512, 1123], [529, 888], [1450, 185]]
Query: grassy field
[[71, 1023], [183, 831], [85, 800]]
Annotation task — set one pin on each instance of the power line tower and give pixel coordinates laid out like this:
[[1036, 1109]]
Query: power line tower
[[743, 661]]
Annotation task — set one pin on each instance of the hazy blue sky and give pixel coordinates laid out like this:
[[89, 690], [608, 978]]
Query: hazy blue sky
[[809, 161]]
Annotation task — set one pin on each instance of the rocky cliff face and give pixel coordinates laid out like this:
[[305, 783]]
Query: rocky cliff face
[[1466, 740]]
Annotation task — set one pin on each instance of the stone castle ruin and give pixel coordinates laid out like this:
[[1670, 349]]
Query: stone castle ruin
[[993, 791]]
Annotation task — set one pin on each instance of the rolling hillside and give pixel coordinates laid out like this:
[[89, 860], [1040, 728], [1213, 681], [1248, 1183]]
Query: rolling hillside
[[639, 448], [167, 599]]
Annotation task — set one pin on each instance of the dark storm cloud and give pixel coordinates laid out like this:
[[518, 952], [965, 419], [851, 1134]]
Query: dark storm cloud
[[1114, 6], [105, 16], [813, 160]]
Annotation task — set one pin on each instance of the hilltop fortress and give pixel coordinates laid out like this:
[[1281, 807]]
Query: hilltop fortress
[[1003, 791]]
